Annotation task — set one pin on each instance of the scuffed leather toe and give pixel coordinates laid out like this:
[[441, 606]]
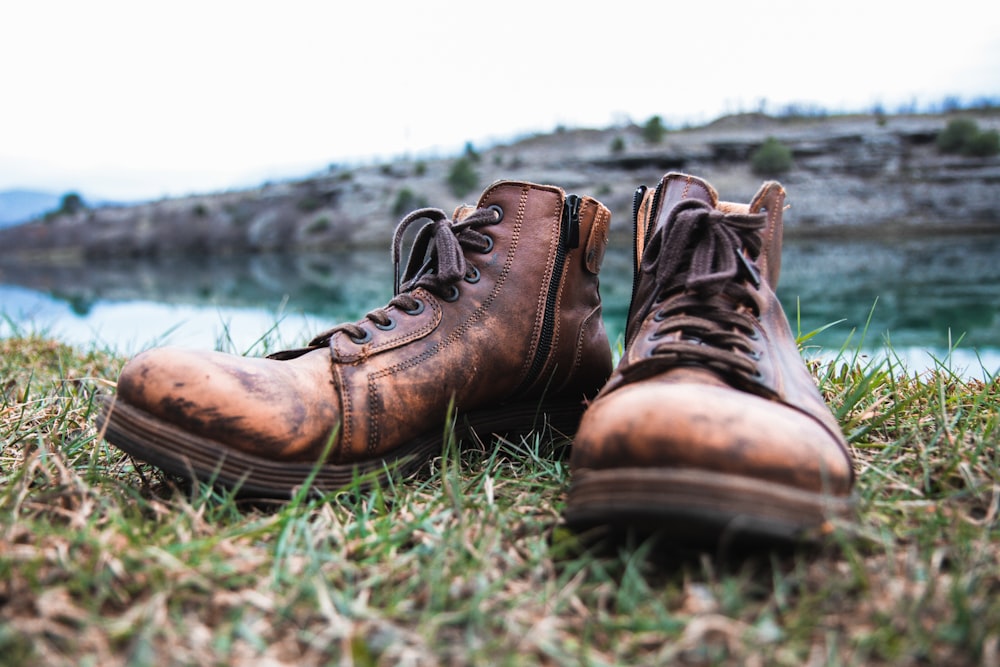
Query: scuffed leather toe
[[285, 410], [658, 424]]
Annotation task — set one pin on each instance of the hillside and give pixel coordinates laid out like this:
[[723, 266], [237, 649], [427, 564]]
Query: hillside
[[852, 175]]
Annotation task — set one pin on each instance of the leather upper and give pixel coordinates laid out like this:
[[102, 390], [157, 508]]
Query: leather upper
[[751, 408], [478, 347]]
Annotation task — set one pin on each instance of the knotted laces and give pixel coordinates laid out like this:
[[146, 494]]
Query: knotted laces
[[436, 262], [702, 264]]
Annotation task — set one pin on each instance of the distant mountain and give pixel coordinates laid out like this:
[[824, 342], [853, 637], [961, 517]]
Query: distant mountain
[[18, 206]]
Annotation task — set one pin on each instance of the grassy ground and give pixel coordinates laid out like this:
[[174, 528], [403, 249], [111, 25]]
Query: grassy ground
[[103, 561]]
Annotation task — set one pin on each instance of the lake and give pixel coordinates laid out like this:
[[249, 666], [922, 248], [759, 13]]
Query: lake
[[935, 299]]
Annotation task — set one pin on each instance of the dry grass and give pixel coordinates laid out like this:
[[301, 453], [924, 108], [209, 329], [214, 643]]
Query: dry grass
[[103, 561]]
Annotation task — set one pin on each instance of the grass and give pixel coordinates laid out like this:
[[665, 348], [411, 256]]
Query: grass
[[104, 561]]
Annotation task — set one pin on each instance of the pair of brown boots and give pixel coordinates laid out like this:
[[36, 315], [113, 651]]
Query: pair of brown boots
[[710, 425]]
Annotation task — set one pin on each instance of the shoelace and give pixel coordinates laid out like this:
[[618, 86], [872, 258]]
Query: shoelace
[[436, 262], [702, 263]]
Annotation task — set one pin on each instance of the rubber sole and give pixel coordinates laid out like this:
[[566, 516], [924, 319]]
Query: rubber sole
[[190, 456], [696, 507]]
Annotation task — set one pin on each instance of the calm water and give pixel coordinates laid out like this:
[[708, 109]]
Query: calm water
[[924, 295]]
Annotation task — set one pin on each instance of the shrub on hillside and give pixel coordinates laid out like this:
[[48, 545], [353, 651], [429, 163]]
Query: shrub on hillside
[[984, 144], [71, 202], [962, 136], [654, 130], [406, 201], [956, 135], [771, 158], [471, 153], [462, 178]]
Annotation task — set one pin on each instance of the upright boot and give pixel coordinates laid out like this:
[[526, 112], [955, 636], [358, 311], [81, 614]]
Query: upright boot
[[711, 425], [497, 310]]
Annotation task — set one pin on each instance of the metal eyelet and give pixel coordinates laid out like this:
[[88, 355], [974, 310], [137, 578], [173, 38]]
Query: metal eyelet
[[451, 296], [364, 339], [659, 316], [489, 245], [496, 209], [388, 326], [472, 275], [417, 310]]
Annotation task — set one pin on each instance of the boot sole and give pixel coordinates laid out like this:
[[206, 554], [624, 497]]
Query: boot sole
[[190, 456], [697, 508]]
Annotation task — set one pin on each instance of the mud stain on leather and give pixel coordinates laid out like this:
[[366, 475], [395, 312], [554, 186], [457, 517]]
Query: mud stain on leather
[[190, 415], [253, 383], [212, 423]]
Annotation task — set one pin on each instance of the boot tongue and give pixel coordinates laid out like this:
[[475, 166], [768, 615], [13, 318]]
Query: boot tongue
[[462, 212], [674, 188]]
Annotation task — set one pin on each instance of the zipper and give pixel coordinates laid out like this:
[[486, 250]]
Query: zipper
[[637, 197], [569, 237]]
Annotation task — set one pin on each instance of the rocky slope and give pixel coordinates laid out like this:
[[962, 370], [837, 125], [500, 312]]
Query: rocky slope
[[852, 176]]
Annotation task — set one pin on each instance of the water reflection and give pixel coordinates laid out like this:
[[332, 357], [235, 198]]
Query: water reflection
[[928, 292]]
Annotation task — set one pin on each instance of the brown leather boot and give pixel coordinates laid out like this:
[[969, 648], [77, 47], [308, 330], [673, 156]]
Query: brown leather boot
[[497, 310], [711, 425]]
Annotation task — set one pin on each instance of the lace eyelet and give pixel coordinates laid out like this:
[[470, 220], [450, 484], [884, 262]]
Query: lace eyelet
[[472, 275], [388, 326], [496, 209], [659, 316], [489, 245], [364, 339], [452, 295], [418, 309]]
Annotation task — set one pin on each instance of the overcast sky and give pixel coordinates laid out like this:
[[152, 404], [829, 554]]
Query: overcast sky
[[141, 99]]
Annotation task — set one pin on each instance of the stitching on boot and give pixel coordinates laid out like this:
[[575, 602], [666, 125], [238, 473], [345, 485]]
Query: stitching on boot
[[581, 337], [459, 332], [542, 293], [346, 411]]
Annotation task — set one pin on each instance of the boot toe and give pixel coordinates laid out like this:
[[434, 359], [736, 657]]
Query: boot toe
[[275, 409], [658, 424]]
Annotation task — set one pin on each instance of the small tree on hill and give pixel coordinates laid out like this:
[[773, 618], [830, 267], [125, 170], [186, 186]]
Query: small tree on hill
[[462, 178], [771, 159], [471, 153], [70, 203], [956, 135], [654, 130], [406, 201], [984, 144], [962, 136]]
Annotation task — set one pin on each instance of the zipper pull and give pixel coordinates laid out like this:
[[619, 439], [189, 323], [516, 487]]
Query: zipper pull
[[637, 196], [748, 268], [571, 222]]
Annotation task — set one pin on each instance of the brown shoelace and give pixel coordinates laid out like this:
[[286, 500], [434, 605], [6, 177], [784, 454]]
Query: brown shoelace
[[436, 262], [702, 263]]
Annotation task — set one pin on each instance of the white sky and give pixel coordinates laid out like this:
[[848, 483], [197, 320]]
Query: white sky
[[141, 99]]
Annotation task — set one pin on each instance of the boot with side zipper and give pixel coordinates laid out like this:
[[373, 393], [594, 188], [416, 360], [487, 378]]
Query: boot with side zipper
[[711, 426], [497, 310]]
